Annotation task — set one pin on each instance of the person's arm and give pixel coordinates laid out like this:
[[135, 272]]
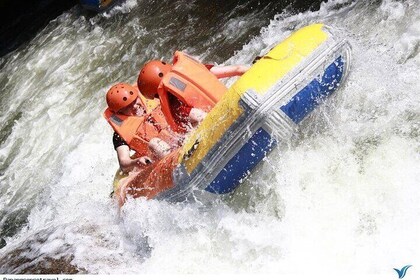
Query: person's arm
[[229, 71], [126, 162]]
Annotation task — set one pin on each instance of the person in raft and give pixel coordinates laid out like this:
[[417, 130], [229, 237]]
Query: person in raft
[[150, 134], [187, 89], [137, 128]]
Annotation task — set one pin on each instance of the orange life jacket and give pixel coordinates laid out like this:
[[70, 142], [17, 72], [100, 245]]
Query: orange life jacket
[[193, 84], [138, 131]]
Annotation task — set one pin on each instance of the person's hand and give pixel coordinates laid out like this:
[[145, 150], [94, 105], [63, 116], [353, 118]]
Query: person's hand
[[144, 160], [197, 115], [159, 147]]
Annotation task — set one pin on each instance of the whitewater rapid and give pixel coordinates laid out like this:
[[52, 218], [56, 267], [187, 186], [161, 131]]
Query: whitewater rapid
[[342, 197]]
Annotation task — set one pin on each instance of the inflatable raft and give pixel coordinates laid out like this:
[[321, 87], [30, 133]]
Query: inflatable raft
[[263, 108], [97, 5]]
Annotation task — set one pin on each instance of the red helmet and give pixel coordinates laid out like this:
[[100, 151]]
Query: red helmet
[[120, 96], [150, 76]]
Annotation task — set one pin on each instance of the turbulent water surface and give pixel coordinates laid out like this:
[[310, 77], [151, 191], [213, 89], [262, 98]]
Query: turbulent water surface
[[343, 197]]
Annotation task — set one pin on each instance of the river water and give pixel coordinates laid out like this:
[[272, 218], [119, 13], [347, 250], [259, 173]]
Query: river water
[[342, 198]]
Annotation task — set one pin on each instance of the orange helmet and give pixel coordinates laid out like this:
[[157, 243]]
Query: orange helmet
[[150, 76], [120, 96]]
